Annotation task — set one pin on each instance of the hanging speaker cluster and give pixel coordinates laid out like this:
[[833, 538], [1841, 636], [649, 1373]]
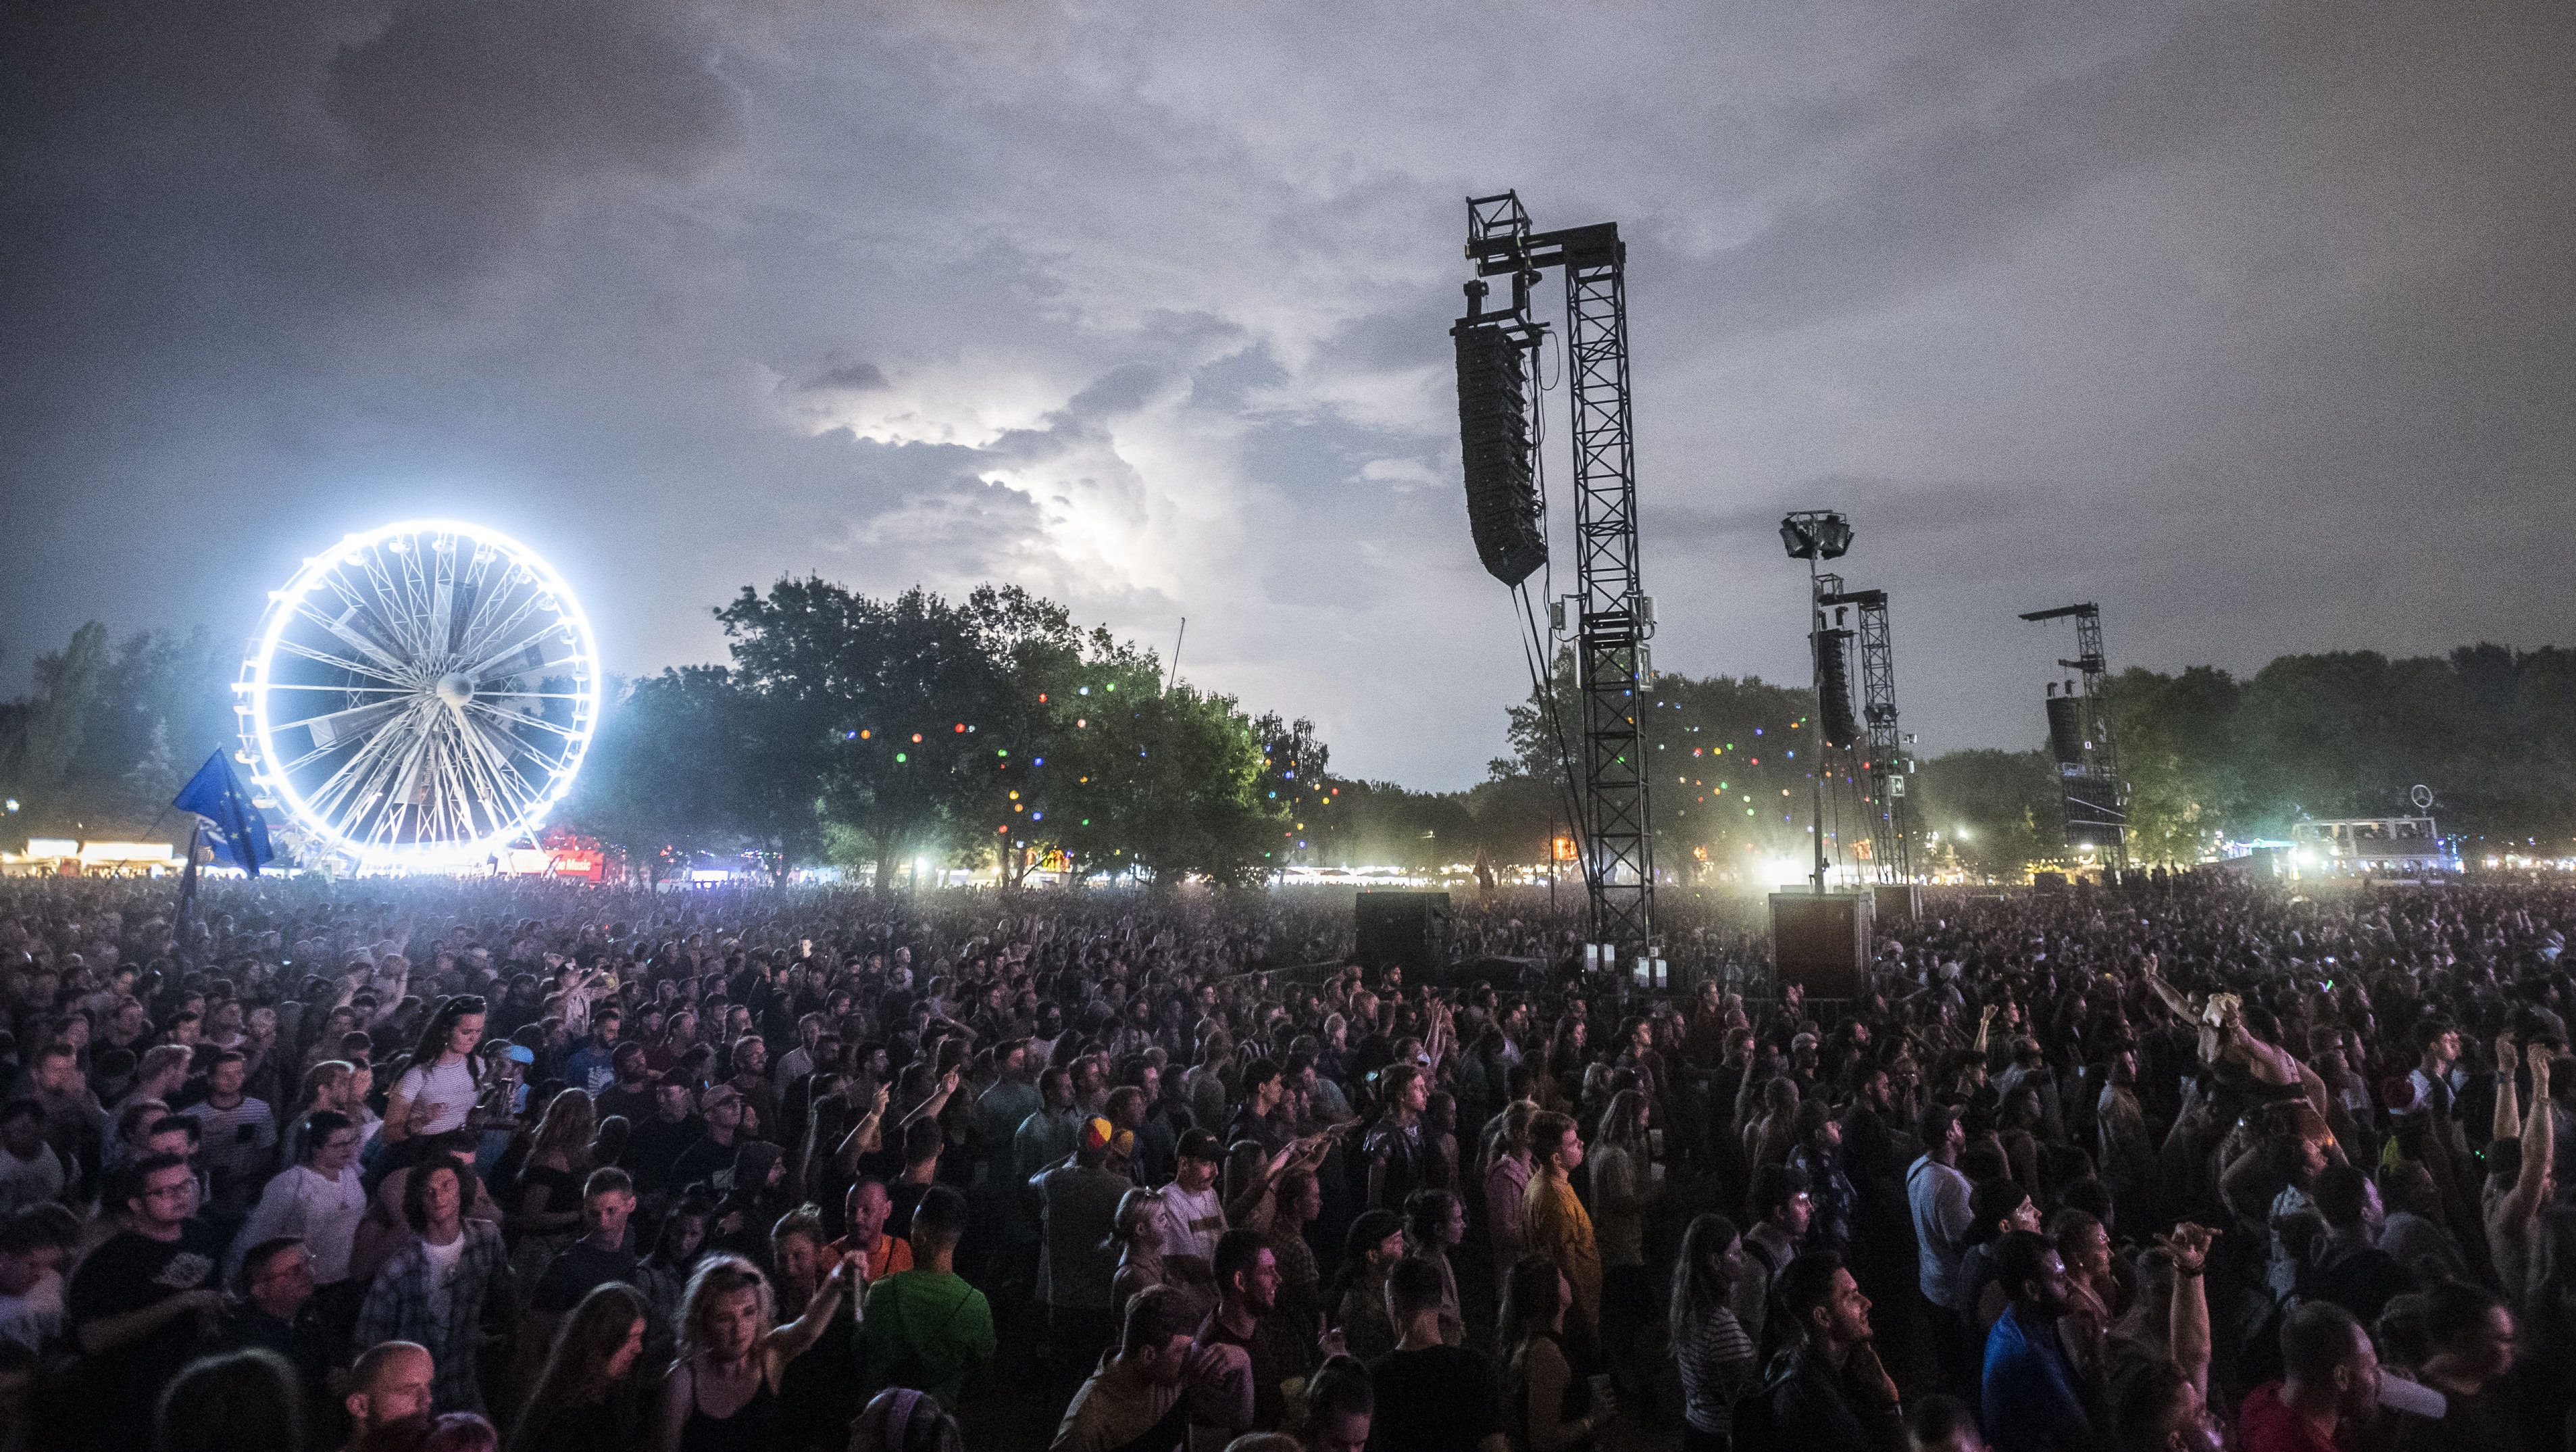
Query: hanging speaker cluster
[[1833, 680], [2065, 729], [1494, 438]]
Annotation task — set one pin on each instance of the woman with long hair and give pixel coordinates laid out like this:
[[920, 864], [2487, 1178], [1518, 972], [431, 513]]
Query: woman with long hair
[[1771, 1133], [1625, 1191], [1545, 1406], [548, 1214], [584, 1400], [1714, 1350], [332, 1084], [722, 1390], [437, 1092], [1562, 1084], [1435, 1221], [1506, 1185], [664, 1275]]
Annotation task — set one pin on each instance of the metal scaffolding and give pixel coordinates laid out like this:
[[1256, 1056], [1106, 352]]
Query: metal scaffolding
[[1614, 617]]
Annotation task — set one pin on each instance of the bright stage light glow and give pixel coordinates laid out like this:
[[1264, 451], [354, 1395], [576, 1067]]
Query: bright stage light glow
[[420, 694]]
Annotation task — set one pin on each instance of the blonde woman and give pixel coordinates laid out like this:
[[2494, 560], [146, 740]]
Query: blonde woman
[[722, 1391], [1138, 1235]]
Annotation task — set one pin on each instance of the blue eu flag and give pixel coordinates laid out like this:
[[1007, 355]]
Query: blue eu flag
[[233, 825]]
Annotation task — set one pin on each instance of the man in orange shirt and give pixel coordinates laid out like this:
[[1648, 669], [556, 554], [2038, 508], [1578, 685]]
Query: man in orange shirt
[[869, 1205], [1553, 1222]]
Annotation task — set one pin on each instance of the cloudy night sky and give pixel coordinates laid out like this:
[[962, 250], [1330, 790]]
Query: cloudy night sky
[[2255, 322]]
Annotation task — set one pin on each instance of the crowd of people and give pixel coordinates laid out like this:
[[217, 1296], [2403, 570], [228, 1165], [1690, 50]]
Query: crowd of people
[[392, 1165]]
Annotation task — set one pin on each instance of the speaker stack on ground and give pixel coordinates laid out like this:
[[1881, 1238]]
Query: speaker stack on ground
[[1820, 942], [1402, 929]]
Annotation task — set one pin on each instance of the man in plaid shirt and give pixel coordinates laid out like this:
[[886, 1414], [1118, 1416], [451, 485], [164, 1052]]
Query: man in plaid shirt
[[436, 1287]]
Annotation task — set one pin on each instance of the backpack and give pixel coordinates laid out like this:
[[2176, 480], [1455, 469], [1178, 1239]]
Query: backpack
[[1755, 1428]]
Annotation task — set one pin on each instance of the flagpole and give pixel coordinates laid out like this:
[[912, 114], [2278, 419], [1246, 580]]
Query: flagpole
[[187, 896]]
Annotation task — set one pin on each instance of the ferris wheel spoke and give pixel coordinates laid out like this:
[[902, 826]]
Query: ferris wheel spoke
[[339, 726], [442, 604], [316, 653], [363, 598], [507, 627], [344, 632], [388, 596], [497, 610], [504, 775], [358, 777], [513, 602], [520, 718], [352, 690]]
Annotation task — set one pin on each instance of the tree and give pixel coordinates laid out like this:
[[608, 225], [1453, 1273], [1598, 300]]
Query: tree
[[681, 765], [874, 702], [1994, 811], [2177, 747]]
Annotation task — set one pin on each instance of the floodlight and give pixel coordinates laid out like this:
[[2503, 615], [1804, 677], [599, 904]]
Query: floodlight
[[1816, 534]]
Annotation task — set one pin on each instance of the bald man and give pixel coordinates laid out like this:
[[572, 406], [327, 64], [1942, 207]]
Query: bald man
[[389, 1395]]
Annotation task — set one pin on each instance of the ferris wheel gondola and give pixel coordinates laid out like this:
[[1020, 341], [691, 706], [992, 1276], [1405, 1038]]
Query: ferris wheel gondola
[[421, 693]]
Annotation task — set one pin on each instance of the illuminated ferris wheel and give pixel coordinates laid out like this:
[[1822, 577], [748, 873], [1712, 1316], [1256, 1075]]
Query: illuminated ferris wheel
[[419, 692]]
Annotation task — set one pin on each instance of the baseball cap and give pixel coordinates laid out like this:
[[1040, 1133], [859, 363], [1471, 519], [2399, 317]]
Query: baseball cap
[[719, 1094], [1198, 1144], [1099, 1134]]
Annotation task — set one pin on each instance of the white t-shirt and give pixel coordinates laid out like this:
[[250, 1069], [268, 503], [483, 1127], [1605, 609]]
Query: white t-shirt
[[36, 1317], [444, 1262], [299, 1201], [450, 1087], [29, 1181], [1192, 1223]]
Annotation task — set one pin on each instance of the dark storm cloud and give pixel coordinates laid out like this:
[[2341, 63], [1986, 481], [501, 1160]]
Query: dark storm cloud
[[2255, 321], [469, 103], [847, 378]]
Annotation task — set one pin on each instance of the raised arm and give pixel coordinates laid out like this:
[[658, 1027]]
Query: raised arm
[[863, 1136], [792, 1340], [937, 1101], [2508, 1110], [2188, 1245], [2522, 1205]]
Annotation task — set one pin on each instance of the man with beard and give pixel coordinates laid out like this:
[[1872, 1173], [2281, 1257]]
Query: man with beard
[[389, 1396], [631, 1093], [2034, 1401], [1247, 1281]]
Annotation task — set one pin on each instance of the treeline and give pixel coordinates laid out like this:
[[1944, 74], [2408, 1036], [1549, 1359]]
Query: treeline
[[877, 734], [991, 732], [110, 731]]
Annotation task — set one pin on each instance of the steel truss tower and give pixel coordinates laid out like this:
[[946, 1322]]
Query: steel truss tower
[[1882, 745], [1614, 616]]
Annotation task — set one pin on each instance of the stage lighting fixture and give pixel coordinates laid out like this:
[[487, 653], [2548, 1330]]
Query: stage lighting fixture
[[1816, 534]]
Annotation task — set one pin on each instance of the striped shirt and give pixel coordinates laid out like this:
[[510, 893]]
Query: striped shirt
[[1717, 1365]]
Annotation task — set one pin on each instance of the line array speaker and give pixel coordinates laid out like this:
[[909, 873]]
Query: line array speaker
[[1494, 440]]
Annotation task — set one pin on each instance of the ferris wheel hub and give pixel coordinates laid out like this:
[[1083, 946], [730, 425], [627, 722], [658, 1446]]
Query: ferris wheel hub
[[455, 689]]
